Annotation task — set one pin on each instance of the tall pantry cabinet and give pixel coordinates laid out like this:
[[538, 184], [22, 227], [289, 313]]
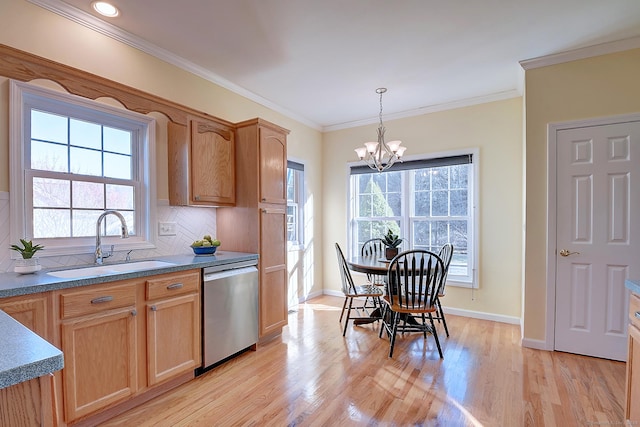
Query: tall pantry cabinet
[[258, 221]]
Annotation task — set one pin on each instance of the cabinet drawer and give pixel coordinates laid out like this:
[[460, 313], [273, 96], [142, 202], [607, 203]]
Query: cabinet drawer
[[634, 307], [96, 299], [173, 284]]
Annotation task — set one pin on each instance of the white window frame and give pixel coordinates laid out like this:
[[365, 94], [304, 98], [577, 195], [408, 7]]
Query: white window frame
[[407, 220], [300, 190], [23, 96]]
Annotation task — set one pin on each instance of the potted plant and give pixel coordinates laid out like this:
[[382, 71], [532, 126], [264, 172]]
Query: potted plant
[[28, 264], [391, 241]]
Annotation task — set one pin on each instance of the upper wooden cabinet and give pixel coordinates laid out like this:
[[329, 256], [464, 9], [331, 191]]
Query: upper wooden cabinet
[[273, 165], [201, 164]]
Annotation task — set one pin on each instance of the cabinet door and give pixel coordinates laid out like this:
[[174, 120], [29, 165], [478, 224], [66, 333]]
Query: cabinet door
[[30, 310], [173, 337], [273, 268], [100, 361], [633, 376], [273, 166], [212, 167]]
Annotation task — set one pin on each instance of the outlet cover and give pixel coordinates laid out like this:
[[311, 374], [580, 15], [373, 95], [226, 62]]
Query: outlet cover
[[167, 228]]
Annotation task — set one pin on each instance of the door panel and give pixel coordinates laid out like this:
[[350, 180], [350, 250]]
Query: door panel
[[598, 186]]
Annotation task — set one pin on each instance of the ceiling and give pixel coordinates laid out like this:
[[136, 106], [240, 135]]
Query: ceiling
[[321, 61]]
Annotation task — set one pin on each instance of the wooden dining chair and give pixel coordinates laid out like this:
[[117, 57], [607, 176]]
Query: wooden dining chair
[[413, 280], [445, 254], [352, 291], [374, 248]]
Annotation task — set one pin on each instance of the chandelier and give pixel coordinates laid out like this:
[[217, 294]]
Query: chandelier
[[380, 155]]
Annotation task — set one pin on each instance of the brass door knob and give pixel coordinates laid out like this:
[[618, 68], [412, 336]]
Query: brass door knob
[[566, 252]]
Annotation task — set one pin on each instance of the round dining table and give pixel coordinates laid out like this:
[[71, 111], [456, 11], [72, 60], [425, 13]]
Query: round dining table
[[369, 264]]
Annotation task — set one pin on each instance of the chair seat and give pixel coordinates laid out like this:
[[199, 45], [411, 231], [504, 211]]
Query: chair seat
[[366, 291], [407, 310]]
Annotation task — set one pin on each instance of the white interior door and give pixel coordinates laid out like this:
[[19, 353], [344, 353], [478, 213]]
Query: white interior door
[[597, 237]]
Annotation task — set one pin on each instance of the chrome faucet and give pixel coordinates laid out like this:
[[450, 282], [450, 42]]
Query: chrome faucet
[[124, 234]]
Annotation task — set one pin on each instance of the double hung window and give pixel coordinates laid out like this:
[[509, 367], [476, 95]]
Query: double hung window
[[295, 196], [427, 202], [78, 158]]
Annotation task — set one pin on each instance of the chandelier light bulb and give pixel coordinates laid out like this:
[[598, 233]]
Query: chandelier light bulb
[[361, 151]]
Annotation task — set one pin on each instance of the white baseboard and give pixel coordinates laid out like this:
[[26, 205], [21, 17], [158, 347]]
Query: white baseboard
[[535, 344], [312, 295], [456, 311], [482, 315]]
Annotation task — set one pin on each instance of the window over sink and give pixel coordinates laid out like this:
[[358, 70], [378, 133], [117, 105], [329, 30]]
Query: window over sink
[[78, 158]]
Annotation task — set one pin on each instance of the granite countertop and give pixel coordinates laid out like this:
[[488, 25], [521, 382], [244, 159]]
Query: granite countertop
[[24, 355], [633, 286], [14, 284]]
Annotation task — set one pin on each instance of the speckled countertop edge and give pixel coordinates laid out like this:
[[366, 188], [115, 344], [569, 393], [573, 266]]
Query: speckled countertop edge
[[633, 286], [24, 355]]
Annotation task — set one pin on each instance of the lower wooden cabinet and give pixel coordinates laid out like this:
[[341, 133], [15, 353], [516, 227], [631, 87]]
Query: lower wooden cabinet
[[28, 404], [30, 310], [100, 361], [173, 326], [98, 338], [124, 338], [274, 276]]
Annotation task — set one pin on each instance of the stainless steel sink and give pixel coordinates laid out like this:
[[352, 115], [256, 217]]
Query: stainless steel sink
[[103, 270]]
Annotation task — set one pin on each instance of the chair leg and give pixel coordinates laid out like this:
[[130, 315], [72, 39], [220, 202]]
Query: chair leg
[[441, 313], [435, 336], [384, 322], [346, 323], [394, 317], [344, 305]]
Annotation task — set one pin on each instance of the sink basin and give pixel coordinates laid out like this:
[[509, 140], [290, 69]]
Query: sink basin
[[103, 270]]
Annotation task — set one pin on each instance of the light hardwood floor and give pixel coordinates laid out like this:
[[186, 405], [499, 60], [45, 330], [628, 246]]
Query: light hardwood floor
[[312, 376]]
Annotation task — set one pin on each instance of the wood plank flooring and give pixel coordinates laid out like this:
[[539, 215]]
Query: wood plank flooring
[[312, 376]]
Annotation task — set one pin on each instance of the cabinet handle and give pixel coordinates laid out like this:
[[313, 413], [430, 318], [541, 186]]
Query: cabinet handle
[[637, 314], [100, 300], [196, 198], [134, 312], [154, 308], [174, 286], [264, 199]]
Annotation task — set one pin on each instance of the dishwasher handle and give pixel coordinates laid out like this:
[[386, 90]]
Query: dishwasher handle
[[208, 277]]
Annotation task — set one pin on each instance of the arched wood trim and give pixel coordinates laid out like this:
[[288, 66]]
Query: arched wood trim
[[20, 65]]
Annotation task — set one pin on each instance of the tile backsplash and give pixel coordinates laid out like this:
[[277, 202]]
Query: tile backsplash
[[191, 224]]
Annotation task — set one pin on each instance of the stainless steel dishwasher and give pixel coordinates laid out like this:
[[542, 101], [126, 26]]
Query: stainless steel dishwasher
[[229, 311]]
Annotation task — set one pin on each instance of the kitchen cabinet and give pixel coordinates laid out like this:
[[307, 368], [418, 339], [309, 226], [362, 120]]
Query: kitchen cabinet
[[632, 412], [173, 325], [257, 223], [28, 404], [201, 163], [30, 310], [124, 338], [99, 342]]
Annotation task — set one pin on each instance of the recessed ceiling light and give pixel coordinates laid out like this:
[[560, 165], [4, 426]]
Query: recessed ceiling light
[[106, 9]]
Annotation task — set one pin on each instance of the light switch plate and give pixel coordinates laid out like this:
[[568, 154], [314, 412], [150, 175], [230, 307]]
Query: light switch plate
[[167, 228]]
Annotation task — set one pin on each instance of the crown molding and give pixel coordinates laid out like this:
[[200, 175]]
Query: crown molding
[[581, 53], [87, 20], [467, 102]]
